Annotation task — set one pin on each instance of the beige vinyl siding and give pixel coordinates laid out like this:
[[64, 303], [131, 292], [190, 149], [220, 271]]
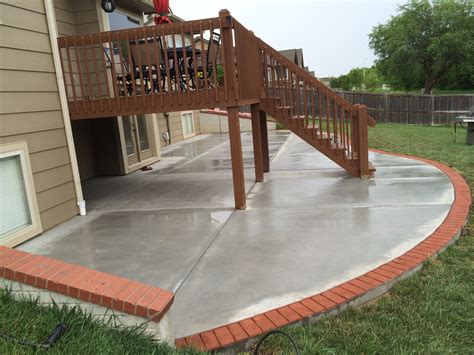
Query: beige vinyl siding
[[176, 126], [30, 108]]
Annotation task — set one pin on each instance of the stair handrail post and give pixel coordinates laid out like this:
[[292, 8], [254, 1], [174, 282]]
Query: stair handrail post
[[363, 141], [228, 48]]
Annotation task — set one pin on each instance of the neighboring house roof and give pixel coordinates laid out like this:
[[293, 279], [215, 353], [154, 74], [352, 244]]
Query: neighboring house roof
[[295, 55]]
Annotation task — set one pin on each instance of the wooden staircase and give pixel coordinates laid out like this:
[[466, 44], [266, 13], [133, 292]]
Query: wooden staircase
[[315, 113], [143, 71]]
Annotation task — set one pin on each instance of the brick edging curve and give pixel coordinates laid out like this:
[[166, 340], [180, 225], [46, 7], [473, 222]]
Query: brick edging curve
[[353, 292]]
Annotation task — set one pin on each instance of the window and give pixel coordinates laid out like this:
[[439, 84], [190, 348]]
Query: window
[[187, 121], [19, 217]]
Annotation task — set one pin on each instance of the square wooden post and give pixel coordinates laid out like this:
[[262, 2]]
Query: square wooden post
[[236, 156], [257, 142], [363, 141], [264, 135]]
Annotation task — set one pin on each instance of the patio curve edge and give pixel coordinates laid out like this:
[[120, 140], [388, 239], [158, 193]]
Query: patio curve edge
[[52, 281], [359, 290]]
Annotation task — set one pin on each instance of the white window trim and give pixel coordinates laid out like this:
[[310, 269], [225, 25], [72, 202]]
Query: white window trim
[[21, 149], [186, 136]]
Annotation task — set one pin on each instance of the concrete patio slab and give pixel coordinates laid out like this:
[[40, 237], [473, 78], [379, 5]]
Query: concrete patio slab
[[308, 227]]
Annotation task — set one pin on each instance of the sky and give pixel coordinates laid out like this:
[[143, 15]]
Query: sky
[[332, 33]]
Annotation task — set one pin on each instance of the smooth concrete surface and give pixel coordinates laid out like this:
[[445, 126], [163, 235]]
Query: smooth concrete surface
[[308, 227]]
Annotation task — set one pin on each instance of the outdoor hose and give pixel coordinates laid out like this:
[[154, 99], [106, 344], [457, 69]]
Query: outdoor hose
[[279, 332], [57, 333]]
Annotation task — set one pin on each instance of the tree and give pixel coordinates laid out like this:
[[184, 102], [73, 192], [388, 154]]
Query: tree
[[358, 78], [427, 42]]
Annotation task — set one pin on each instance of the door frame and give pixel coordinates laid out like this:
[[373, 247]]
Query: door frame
[[153, 131]]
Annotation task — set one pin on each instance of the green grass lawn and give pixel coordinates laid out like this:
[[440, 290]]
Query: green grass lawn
[[431, 312]]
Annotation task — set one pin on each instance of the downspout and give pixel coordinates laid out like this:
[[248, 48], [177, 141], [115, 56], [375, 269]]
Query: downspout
[[53, 34]]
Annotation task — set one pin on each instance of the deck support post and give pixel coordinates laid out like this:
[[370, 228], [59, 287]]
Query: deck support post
[[363, 141], [257, 142], [264, 135], [236, 156]]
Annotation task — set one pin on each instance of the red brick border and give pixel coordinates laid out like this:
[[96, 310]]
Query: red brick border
[[82, 283], [241, 331]]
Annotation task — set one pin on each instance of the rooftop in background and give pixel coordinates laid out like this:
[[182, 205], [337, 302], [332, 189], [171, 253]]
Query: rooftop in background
[[295, 55]]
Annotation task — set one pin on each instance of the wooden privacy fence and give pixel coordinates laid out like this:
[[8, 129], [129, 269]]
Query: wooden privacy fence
[[413, 109]]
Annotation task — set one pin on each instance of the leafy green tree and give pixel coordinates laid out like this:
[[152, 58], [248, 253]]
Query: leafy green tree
[[358, 79], [426, 43]]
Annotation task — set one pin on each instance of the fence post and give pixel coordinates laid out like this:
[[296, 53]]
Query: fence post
[[363, 147], [385, 115]]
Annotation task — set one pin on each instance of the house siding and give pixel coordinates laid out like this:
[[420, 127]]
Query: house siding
[[30, 108], [176, 126]]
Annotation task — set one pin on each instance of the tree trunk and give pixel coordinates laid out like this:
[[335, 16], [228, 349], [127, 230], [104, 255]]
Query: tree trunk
[[428, 86], [429, 82]]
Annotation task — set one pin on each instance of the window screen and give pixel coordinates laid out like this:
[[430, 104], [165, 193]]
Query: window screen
[[14, 210]]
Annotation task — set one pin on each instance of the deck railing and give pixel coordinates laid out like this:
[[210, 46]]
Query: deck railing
[[150, 69], [208, 63], [333, 120]]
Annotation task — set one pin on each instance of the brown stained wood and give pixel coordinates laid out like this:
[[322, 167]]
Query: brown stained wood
[[185, 63], [363, 151], [253, 72], [97, 77], [257, 142], [265, 148], [237, 159]]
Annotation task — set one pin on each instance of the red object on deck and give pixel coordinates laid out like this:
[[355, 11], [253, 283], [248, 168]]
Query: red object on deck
[[162, 9]]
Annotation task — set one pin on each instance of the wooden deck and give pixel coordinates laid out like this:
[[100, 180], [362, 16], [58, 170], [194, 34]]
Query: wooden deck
[[211, 63]]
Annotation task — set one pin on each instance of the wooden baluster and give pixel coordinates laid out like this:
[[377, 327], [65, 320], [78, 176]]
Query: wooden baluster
[[96, 69], [204, 61], [363, 141], [292, 100], [177, 71], [159, 56], [131, 68], [148, 64], [320, 116], [298, 101], [328, 114], [185, 64], [124, 72], [81, 79], [305, 99], [225, 52], [265, 71], [140, 66], [71, 75], [195, 67], [88, 74], [104, 70], [355, 134], [113, 72], [167, 64]]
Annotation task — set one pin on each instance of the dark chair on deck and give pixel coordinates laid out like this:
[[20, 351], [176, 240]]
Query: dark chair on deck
[[207, 66]]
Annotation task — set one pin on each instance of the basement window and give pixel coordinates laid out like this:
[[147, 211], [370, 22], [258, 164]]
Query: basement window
[[19, 217]]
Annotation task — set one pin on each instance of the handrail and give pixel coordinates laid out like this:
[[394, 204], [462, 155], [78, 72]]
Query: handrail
[[309, 107], [310, 79]]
